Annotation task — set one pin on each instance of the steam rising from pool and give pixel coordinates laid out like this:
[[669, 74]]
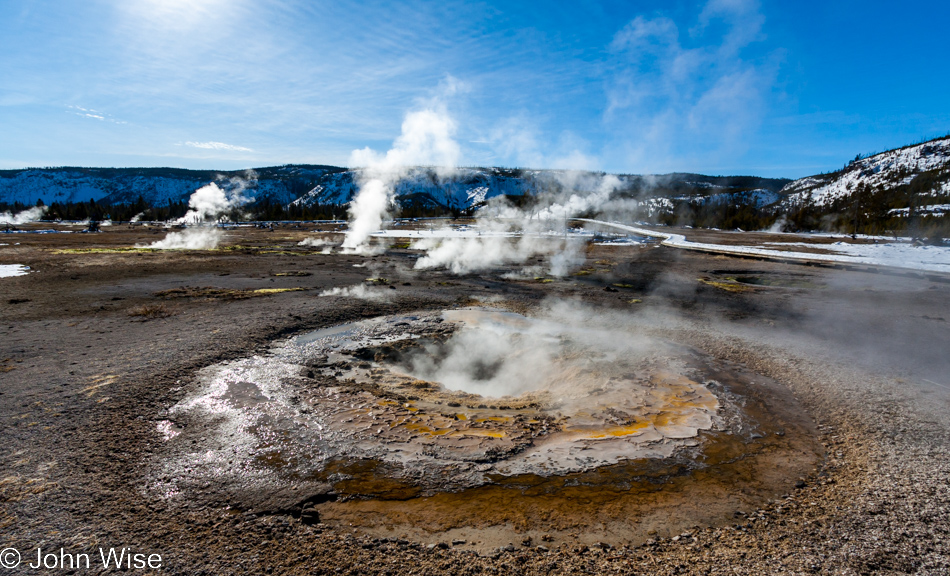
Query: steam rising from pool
[[498, 354], [208, 203], [428, 139], [445, 401]]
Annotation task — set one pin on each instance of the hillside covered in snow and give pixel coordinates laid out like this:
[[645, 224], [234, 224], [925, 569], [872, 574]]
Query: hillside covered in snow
[[461, 189], [928, 163], [892, 190], [156, 186], [899, 189], [303, 186]]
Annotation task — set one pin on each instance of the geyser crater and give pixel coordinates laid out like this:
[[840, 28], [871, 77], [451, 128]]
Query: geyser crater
[[405, 408]]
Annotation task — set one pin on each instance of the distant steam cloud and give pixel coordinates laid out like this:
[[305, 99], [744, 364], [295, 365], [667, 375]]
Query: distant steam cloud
[[208, 203], [316, 242], [218, 146], [211, 202], [426, 139], [514, 236], [465, 255], [201, 238], [584, 192], [779, 225], [24, 217]]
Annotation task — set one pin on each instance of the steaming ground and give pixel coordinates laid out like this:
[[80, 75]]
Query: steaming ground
[[442, 403], [100, 340]]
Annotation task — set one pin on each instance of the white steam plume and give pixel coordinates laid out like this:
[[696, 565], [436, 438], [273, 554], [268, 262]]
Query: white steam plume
[[538, 232], [358, 291], [24, 217], [597, 192], [210, 202], [464, 255], [779, 225], [317, 242], [499, 354], [426, 139], [200, 238]]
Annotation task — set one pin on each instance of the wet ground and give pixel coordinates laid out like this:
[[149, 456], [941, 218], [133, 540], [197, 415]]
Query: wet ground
[[784, 400]]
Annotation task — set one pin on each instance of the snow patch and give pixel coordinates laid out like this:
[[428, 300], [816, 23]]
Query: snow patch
[[932, 258], [11, 270]]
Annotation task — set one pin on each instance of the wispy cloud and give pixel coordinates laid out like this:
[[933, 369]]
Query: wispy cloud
[[522, 141], [622, 86], [217, 146], [678, 98], [93, 114]]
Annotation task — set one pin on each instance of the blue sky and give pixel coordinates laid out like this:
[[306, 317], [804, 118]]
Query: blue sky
[[720, 87]]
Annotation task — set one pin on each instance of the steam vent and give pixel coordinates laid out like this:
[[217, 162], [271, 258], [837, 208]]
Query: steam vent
[[483, 424]]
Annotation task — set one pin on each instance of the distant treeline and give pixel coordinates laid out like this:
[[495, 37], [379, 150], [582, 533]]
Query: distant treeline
[[875, 210], [265, 209], [867, 211], [97, 210], [722, 215], [868, 215]]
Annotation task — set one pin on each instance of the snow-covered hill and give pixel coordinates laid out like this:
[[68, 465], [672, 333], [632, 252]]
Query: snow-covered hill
[[309, 185], [281, 184], [904, 180], [884, 171], [79, 185], [463, 188]]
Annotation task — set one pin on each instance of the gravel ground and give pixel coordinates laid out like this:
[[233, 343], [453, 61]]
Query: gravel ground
[[89, 355]]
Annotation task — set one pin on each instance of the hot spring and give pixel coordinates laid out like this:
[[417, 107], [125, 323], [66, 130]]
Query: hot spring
[[408, 423]]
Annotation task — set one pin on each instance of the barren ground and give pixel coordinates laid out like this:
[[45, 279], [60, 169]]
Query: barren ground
[[95, 343]]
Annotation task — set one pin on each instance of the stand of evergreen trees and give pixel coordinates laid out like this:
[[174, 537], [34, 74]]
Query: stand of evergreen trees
[[262, 210], [876, 210], [865, 211]]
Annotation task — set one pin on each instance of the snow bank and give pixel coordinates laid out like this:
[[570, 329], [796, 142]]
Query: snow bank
[[894, 255]]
